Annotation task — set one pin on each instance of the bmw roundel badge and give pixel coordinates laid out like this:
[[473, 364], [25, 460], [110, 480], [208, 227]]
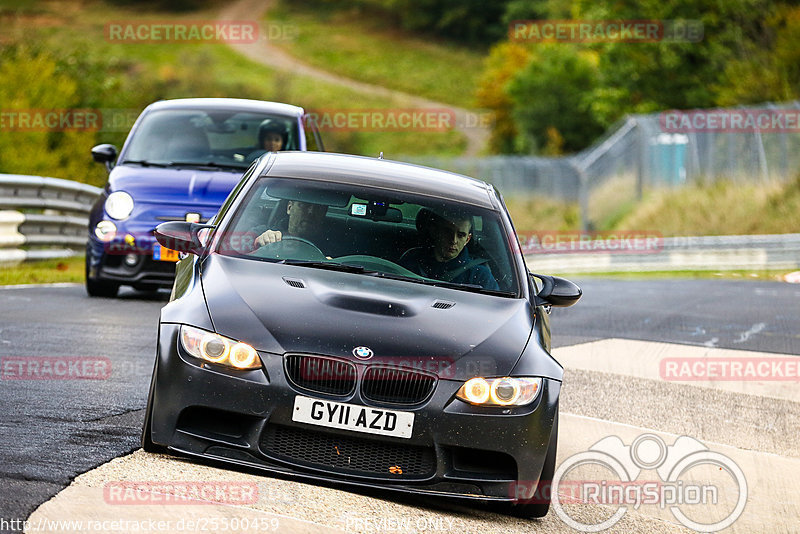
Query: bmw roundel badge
[[362, 353]]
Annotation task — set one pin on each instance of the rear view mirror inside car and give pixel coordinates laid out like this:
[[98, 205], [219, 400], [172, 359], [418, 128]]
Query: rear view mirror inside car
[[376, 211]]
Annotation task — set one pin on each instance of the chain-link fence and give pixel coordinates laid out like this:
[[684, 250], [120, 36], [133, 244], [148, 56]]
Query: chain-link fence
[[755, 144]]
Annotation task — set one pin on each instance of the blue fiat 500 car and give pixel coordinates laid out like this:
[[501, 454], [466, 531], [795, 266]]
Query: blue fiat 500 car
[[179, 162]]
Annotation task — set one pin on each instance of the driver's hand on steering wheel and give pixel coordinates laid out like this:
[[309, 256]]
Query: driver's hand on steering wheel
[[268, 237]]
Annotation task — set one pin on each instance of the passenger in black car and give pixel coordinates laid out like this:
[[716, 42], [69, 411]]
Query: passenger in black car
[[446, 257]]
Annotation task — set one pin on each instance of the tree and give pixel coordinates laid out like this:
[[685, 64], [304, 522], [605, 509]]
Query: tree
[[554, 92], [504, 61]]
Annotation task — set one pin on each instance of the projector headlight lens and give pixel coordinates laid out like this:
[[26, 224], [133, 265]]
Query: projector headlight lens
[[505, 391], [218, 349]]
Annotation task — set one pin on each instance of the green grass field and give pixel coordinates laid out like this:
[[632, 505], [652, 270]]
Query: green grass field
[[42, 272], [723, 208], [129, 75], [367, 49]]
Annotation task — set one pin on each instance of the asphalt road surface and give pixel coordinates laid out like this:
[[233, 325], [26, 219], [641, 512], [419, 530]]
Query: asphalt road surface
[[54, 430]]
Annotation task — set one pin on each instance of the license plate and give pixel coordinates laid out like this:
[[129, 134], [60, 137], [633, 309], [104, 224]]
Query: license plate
[[352, 417], [164, 254]]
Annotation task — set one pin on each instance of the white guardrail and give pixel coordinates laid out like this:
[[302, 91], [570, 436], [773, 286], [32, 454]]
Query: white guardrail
[[709, 253], [42, 218]]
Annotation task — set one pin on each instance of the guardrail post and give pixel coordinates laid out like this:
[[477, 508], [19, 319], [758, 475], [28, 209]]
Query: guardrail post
[[583, 197], [641, 147]]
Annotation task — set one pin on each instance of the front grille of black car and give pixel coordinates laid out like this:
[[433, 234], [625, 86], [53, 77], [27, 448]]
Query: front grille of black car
[[323, 375], [397, 386], [347, 454]]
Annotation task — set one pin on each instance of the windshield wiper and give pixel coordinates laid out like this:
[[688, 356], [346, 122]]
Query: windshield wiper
[[474, 288], [211, 164], [343, 267], [441, 283], [331, 266], [144, 163]]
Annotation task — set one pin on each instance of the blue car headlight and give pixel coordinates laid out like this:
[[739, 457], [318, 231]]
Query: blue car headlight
[[119, 205]]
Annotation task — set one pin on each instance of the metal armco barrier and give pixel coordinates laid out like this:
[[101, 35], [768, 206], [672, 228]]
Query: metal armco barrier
[[53, 223]]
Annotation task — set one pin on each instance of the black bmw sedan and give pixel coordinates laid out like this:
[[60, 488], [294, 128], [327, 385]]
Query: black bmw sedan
[[362, 321]]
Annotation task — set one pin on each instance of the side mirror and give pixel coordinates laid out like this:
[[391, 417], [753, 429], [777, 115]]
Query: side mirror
[[557, 291], [181, 236], [105, 154]]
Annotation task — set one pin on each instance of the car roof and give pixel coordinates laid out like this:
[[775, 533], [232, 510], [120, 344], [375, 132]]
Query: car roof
[[228, 104], [379, 173]]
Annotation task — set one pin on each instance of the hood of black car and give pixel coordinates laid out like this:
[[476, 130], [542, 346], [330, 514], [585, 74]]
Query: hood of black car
[[290, 309]]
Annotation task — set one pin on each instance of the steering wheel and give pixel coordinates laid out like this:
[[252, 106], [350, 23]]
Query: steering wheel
[[310, 251], [303, 241]]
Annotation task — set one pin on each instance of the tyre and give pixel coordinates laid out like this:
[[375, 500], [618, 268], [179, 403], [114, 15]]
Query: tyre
[[99, 288]]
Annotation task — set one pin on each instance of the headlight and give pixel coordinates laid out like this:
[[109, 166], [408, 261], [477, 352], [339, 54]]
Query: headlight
[[505, 391], [218, 349], [105, 231], [119, 205]]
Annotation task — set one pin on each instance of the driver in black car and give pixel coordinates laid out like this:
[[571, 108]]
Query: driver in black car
[[305, 221], [446, 256]]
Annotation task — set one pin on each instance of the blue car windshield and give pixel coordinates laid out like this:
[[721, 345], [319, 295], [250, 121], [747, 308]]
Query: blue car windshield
[[209, 138], [374, 232]]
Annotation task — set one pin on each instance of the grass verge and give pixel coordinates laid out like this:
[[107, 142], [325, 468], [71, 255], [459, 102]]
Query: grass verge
[[721, 208], [44, 272]]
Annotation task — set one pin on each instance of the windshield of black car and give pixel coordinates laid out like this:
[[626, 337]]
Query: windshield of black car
[[373, 232], [208, 138]]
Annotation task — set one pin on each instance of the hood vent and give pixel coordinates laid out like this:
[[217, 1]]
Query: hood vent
[[294, 282], [369, 305], [443, 304]]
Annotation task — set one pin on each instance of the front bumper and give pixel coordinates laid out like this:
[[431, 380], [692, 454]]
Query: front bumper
[[106, 261], [245, 418]]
